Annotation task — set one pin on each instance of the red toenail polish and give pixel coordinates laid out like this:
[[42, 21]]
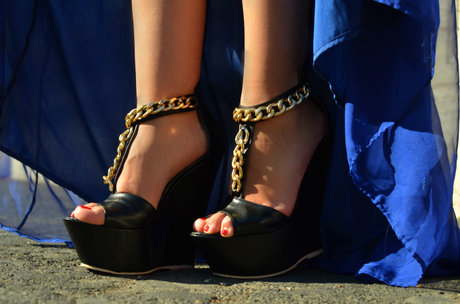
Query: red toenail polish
[[84, 207], [206, 228], [73, 214], [224, 231], [202, 219]]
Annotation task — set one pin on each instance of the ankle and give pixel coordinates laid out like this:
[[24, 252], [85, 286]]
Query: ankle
[[154, 95], [260, 90]]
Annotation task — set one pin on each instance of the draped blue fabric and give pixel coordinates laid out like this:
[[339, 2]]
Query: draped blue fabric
[[395, 149], [67, 81]]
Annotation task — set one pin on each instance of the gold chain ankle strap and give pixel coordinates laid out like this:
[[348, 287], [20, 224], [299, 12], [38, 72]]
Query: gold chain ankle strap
[[137, 114], [274, 109], [254, 115]]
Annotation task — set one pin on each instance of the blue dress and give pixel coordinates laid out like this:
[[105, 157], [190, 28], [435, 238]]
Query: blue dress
[[67, 81]]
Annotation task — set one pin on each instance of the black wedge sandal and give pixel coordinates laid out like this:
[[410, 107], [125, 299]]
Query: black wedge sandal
[[136, 238], [266, 242]]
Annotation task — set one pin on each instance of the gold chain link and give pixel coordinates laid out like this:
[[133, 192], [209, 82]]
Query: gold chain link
[[255, 115], [273, 109], [176, 103]]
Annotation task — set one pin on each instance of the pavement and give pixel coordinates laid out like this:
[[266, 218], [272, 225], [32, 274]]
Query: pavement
[[32, 272]]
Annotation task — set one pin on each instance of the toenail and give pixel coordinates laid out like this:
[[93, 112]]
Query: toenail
[[84, 207], [206, 228], [224, 231], [203, 219], [73, 214]]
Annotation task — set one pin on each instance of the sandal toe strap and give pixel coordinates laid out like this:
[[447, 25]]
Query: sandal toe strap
[[128, 211], [249, 218]]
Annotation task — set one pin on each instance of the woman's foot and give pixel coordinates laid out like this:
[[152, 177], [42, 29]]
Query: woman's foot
[[281, 151], [163, 147]]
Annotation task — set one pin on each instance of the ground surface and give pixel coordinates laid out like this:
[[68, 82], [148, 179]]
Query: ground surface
[[32, 272]]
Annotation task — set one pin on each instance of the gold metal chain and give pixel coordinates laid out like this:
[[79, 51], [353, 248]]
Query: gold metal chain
[[255, 115], [137, 114], [241, 139], [273, 109]]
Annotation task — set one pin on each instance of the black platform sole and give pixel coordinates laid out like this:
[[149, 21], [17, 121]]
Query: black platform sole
[[126, 252], [255, 257]]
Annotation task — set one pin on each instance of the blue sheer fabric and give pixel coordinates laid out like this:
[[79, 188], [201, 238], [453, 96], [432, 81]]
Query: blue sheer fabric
[[379, 67], [67, 80]]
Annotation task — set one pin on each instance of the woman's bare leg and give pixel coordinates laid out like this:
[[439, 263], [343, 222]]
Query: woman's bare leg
[[168, 46], [275, 49]]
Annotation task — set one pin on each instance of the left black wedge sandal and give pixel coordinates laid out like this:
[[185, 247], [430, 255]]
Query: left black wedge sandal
[[136, 238], [266, 242]]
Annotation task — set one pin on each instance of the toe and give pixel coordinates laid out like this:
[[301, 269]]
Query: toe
[[226, 229], [90, 213], [198, 225], [213, 223]]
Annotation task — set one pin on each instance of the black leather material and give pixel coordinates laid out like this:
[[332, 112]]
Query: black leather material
[[249, 218], [128, 211]]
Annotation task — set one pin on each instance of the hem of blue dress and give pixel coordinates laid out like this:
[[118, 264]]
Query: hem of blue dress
[[45, 173], [40, 240]]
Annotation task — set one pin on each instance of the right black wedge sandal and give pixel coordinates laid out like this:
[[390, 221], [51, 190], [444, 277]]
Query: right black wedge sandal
[[266, 242]]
